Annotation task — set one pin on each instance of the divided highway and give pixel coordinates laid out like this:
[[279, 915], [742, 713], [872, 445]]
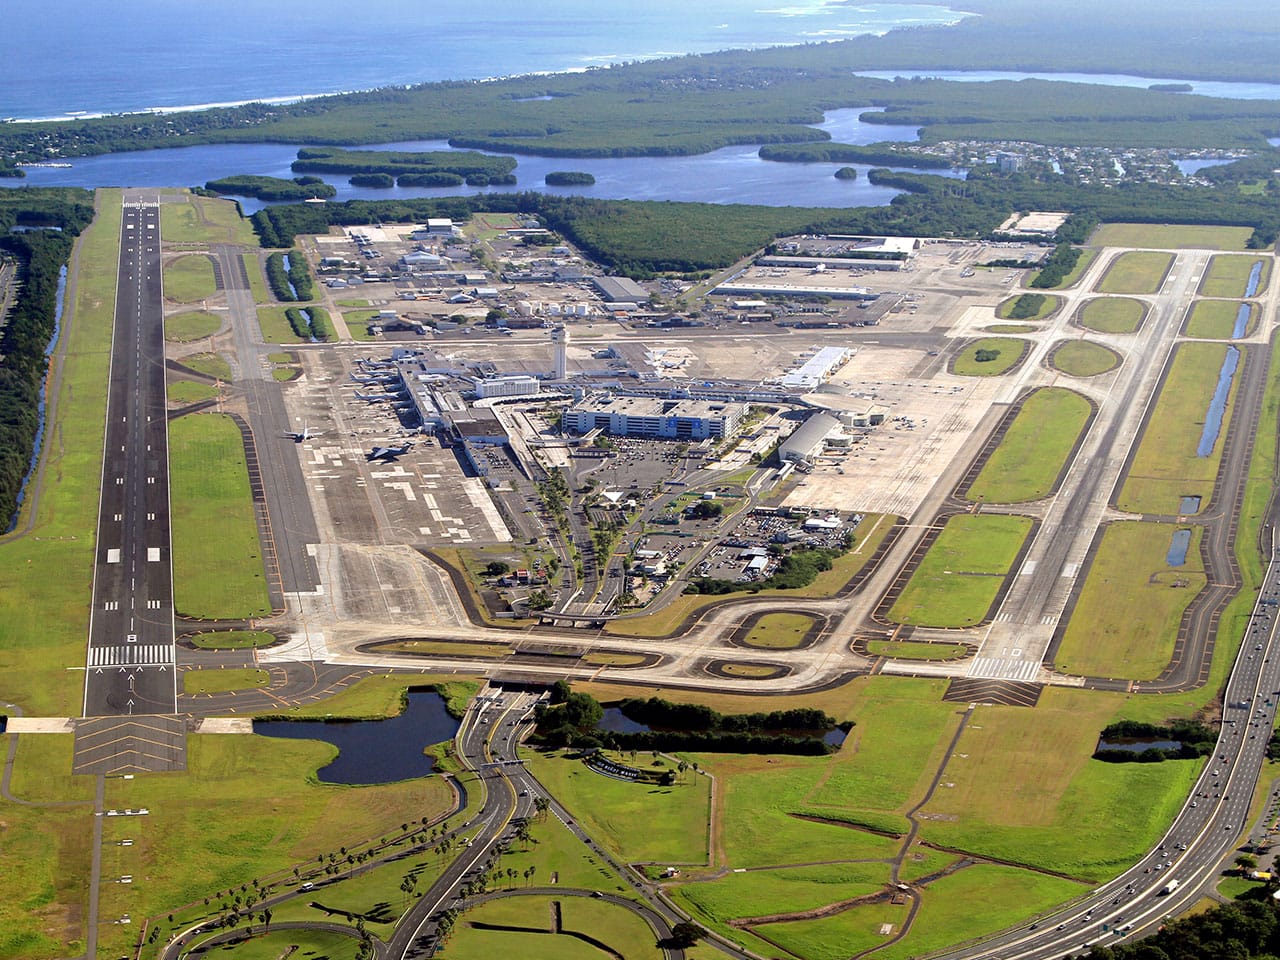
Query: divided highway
[[130, 663]]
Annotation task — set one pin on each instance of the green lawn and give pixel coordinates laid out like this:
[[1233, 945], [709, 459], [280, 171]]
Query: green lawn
[[916, 650], [275, 325], [1228, 276], [1126, 620], [288, 943], [1026, 464], [779, 631], [1004, 328], [640, 821], [1170, 236], [383, 695], [1028, 306], [1080, 358], [210, 364], [1136, 272], [192, 325], [625, 933], [957, 582], [1216, 319], [1166, 467], [188, 279], [190, 391], [257, 279], [46, 577], [244, 807], [205, 220], [1022, 787], [840, 935], [232, 639], [220, 681], [1008, 350], [217, 559], [1112, 314]]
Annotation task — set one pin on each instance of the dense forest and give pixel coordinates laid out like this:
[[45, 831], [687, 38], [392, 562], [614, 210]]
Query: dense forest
[[54, 218], [1248, 930]]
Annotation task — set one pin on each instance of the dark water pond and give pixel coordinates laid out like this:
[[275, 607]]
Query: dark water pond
[[1218, 404], [615, 721], [375, 751], [1255, 275], [1189, 505], [1177, 554]]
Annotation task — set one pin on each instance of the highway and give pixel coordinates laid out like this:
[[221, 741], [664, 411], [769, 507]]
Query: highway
[[130, 662], [1206, 830]]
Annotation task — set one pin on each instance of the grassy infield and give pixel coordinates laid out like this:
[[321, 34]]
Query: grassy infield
[[1011, 798]]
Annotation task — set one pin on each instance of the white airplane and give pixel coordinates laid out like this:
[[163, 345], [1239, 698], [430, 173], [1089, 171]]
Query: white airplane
[[306, 434]]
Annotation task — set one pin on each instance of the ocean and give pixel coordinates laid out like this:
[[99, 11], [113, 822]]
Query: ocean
[[66, 58]]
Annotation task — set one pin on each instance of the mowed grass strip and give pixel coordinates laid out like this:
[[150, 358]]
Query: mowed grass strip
[[641, 821], [217, 559], [841, 935], [1027, 791], [192, 325], [1126, 620], [1216, 319], [1029, 458], [916, 650], [1166, 467], [1229, 276], [284, 943], [1136, 272], [210, 364], [205, 220], [1082, 264], [220, 681], [1112, 314], [1080, 358], [46, 578], [626, 934], [1170, 236], [1028, 306], [1008, 351], [958, 579], [779, 631], [275, 326], [189, 391], [232, 639], [188, 279]]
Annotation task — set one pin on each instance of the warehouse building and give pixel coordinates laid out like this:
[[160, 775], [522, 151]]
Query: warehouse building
[[808, 439], [619, 290]]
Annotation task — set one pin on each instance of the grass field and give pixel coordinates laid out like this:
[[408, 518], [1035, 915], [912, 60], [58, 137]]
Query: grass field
[[1112, 314], [188, 279], [958, 579], [190, 391], [1025, 789], [1008, 328], [1126, 620], [749, 671], [191, 325], [46, 578], [1080, 358], [220, 681], [1170, 236], [1166, 467], [1216, 319], [284, 943], [232, 639], [1136, 272], [1229, 276], [839, 936], [639, 821], [1026, 464], [217, 560], [916, 650], [1048, 304], [602, 659], [275, 325], [866, 539], [446, 648], [259, 810], [626, 934], [1009, 351], [257, 279], [205, 220], [779, 631], [210, 364]]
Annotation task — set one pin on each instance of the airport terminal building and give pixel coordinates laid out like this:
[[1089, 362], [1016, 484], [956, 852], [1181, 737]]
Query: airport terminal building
[[654, 417]]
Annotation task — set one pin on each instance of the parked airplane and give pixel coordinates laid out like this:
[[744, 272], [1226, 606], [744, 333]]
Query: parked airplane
[[387, 454], [375, 378], [375, 397], [305, 434]]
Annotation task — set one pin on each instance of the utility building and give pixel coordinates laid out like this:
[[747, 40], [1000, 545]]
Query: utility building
[[655, 417]]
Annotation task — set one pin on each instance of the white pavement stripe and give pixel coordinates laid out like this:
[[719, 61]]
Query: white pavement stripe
[[145, 655], [1003, 668]]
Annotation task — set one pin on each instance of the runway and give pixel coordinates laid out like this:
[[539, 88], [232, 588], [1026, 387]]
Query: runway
[[130, 658]]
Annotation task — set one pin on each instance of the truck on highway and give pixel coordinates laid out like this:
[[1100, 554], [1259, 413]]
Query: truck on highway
[[1168, 888]]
